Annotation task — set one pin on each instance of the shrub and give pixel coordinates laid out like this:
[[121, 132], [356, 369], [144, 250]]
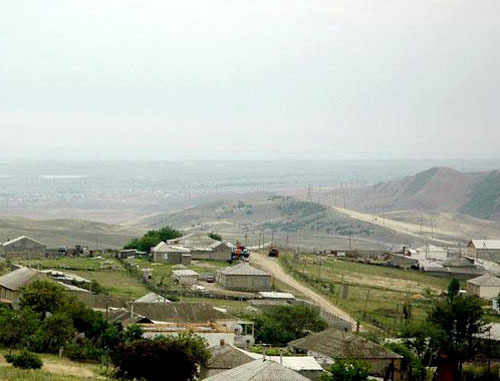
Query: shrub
[[24, 360], [346, 370], [81, 352]]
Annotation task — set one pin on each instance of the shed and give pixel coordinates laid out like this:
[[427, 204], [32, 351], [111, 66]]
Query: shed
[[332, 344], [430, 252], [244, 277], [23, 247], [186, 277], [485, 286], [261, 370]]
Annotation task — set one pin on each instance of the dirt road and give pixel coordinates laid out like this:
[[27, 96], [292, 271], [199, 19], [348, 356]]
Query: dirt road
[[272, 266]]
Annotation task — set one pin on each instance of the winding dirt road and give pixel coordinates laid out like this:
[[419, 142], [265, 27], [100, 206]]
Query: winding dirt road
[[272, 266]]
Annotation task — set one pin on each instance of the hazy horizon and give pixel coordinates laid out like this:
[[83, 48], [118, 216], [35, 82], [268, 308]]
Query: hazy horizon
[[163, 80]]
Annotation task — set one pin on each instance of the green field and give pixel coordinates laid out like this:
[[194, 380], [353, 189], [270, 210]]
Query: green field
[[376, 295]]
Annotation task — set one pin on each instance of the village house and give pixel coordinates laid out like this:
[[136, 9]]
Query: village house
[[430, 252], [226, 356], [201, 246], [167, 253], [332, 344], [244, 277], [12, 284], [485, 286], [152, 297], [262, 370], [240, 331], [23, 247], [185, 277], [488, 249]]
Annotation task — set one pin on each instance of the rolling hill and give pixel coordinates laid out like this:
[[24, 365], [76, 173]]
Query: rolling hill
[[438, 189], [57, 233]]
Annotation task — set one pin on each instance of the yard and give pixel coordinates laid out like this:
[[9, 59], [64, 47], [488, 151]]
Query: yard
[[376, 296]]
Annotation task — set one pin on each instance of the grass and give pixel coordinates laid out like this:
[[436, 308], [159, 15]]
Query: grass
[[67, 263], [376, 294], [54, 369]]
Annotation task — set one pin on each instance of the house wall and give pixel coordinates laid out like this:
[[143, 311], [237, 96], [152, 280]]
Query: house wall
[[24, 248], [187, 280], [160, 256], [483, 291], [253, 283], [220, 253], [489, 254], [13, 296]]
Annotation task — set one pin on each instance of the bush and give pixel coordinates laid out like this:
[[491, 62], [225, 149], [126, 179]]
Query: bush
[[480, 373], [81, 352], [346, 370], [24, 360]]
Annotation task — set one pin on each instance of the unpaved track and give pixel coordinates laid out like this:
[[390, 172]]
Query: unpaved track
[[272, 266]]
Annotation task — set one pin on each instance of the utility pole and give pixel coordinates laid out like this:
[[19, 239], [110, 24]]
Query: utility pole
[[350, 246]]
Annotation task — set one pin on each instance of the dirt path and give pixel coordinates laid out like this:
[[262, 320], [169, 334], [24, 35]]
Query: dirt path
[[272, 266], [398, 226]]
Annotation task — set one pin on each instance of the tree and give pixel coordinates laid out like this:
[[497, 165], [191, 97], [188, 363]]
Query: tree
[[451, 330], [42, 297], [153, 238], [56, 331], [215, 236], [453, 289], [410, 364], [282, 324], [151, 360], [346, 370], [17, 325]]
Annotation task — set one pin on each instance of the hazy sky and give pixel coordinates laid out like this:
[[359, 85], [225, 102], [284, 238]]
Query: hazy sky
[[249, 79]]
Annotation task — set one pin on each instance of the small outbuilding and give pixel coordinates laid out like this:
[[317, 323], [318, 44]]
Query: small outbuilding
[[166, 253], [488, 249], [152, 297], [23, 247], [485, 286], [186, 277], [244, 277]]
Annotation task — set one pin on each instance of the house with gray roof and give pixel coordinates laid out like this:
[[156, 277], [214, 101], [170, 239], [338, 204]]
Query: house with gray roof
[[332, 344], [11, 284], [485, 286], [168, 253], [488, 249], [186, 277], [152, 297], [244, 277], [23, 247], [259, 370], [222, 358], [201, 246]]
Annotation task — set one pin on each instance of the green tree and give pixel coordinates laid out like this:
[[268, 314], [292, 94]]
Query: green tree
[[17, 325], [151, 360], [153, 238], [282, 324], [42, 297], [410, 362], [346, 370], [215, 236], [453, 289], [451, 328], [24, 360], [56, 331]]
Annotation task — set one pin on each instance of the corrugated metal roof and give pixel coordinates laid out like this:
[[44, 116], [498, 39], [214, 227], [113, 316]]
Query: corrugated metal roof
[[259, 370], [339, 345], [485, 280], [243, 269], [163, 247], [70, 287], [19, 239], [19, 278], [296, 363], [179, 312], [198, 241], [181, 273], [151, 297], [227, 357], [276, 295], [492, 244]]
